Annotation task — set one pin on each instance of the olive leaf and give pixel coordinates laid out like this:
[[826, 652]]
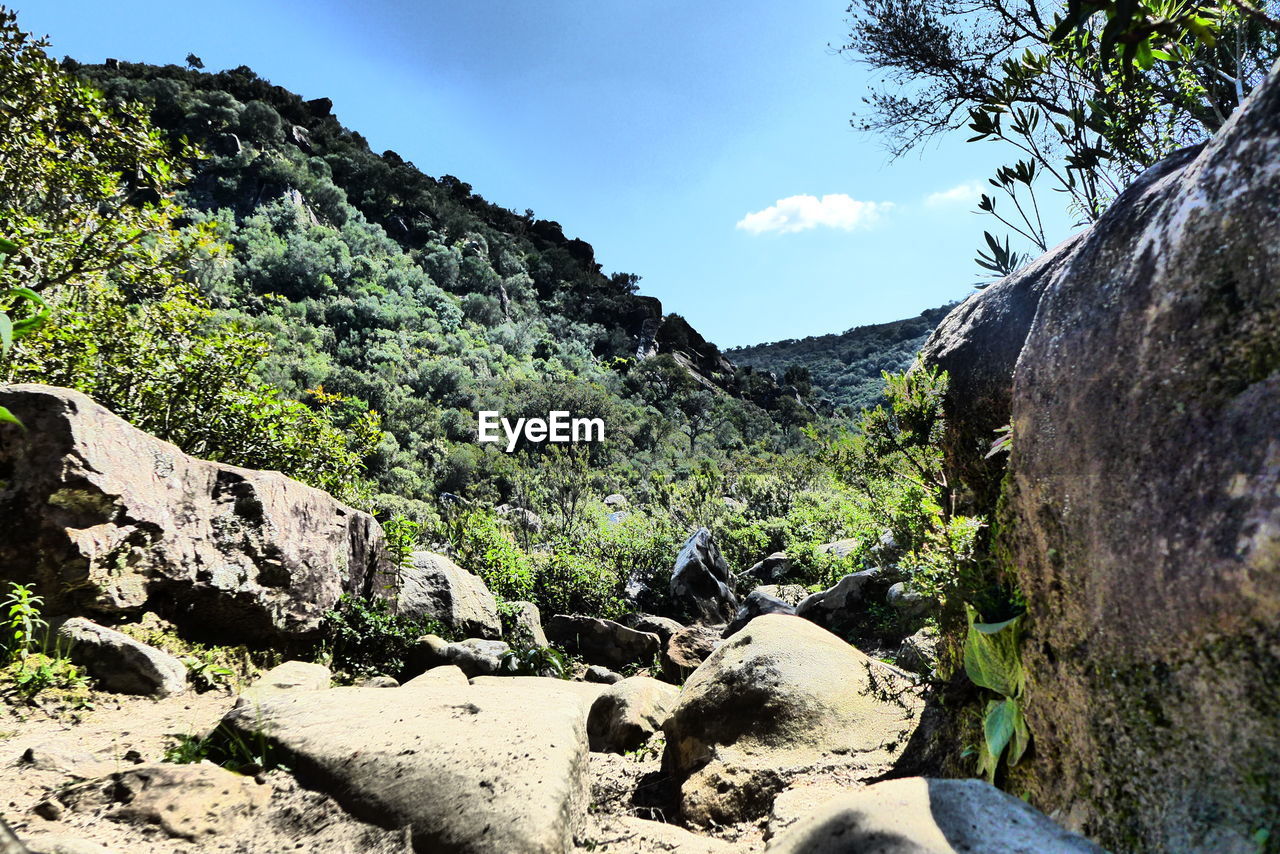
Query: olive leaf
[[991, 654]]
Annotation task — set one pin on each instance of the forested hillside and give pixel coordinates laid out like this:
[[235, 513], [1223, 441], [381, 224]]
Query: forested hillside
[[845, 368]]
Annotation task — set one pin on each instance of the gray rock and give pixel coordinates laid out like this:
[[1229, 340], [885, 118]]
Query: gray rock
[[498, 765], [527, 630], [1142, 514], [105, 519], [433, 586], [780, 697], [701, 581], [908, 602], [616, 501], [919, 816], [838, 608], [601, 675], [603, 642], [839, 548], [473, 656], [379, 682], [771, 570], [757, 604], [919, 653], [663, 627], [628, 712], [286, 677], [121, 664], [48, 843]]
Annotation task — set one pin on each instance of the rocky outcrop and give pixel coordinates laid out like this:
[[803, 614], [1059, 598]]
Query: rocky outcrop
[[757, 604], [771, 570], [284, 678], [919, 652], [526, 626], [701, 583], [919, 816], [472, 768], [119, 663], [1143, 512], [105, 519], [663, 627], [778, 698], [603, 641], [434, 587], [628, 712], [473, 656]]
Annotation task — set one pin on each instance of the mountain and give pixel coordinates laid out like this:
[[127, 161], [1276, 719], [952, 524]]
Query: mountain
[[415, 297], [845, 368]]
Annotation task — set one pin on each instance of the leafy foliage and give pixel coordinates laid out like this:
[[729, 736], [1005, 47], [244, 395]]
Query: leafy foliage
[[365, 638]]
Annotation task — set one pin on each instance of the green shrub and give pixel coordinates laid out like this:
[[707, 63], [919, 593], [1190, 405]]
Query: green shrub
[[364, 638]]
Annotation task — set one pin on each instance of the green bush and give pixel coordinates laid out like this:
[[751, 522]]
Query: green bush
[[364, 638]]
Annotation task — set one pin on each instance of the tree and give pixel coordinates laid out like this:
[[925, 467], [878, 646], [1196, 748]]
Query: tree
[[194, 62], [1045, 80]]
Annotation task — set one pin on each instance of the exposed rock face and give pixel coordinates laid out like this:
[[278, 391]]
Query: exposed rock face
[[120, 663], [686, 650], [627, 713], [701, 581], [838, 607], [757, 604], [603, 641], [475, 768], [435, 587], [778, 698], [919, 653], [601, 675], [908, 602], [1144, 510], [104, 518], [520, 516], [792, 594], [919, 816]]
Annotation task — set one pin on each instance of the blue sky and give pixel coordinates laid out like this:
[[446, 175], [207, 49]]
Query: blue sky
[[703, 146]]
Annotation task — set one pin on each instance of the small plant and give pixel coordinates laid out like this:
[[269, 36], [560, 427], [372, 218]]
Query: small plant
[[535, 661], [365, 638], [226, 747], [651, 749], [992, 661], [205, 672], [402, 535], [22, 613]]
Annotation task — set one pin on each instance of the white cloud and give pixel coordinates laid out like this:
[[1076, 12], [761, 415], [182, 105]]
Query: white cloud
[[801, 213], [961, 194]]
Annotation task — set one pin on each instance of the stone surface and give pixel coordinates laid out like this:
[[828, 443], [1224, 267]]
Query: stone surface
[[624, 716], [838, 607], [919, 816], [775, 700], [121, 664], [1143, 507], [521, 517], [792, 594], [286, 677], [105, 519], [473, 656], [616, 501], [701, 583], [663, 627], [686, 651], [601, 675], [919, 653], [839, 548], [757, 604], [527, 628], [434, 587], [491, 766], [193, 802], [48, 843], [908, 602], [771, 570], [602, 642]]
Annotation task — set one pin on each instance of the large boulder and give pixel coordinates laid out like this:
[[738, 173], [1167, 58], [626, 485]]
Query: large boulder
[[771, 570], [919, 816], [624, 716], [119, 663], [1143, 507], [603, 641], [774, 701], [286, 677], [663, 627], [473, 656], [701, 583], [104, 519], [434, 587], [478, 768], [526, 626]]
